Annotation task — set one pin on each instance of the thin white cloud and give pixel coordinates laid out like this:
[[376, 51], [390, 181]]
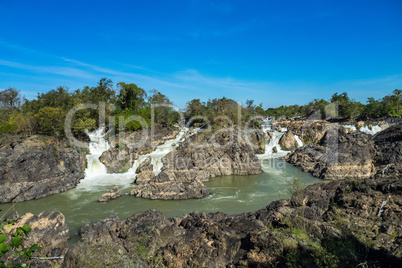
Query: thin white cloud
[[188, 84], [59, 70]]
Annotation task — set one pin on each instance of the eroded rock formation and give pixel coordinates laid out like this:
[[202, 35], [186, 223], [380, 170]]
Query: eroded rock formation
[[39, 167]]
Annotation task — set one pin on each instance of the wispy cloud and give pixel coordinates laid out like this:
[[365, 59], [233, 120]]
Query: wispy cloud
[[59, 70], [184, 85]]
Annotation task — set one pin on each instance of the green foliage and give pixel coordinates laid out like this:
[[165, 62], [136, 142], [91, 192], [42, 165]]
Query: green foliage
[[8, 128], [11, 244], [50, 121], [131, 97]]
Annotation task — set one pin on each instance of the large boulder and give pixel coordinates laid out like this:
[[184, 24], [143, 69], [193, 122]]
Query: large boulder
[[288, 141], [338, 155], [118, 159], [145, 165], [37, 167]]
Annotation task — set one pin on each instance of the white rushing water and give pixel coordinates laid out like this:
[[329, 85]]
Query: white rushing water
[[161, 151], [299, 141], [96, 175], [269, 154], [374, 130]]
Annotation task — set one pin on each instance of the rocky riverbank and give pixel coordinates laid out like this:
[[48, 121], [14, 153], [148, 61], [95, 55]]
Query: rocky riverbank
[[337, 224], [37, 167]]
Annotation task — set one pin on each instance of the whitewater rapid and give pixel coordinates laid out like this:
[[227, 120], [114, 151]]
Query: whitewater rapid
[[96, 175]]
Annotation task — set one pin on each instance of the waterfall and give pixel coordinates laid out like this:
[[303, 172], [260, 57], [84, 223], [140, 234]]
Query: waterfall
[[273, 143], [161, 151], [97, 146], [96, 175]]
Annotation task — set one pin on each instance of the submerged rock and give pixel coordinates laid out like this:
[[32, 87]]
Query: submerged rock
[[112, 194]]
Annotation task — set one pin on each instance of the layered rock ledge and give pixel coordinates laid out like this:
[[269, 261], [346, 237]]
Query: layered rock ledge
[[38, 167]]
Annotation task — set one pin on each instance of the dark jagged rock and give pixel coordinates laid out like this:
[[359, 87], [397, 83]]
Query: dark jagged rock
[[388, 144], [38, 167], [118, 160], [338, 155], [145, 165]]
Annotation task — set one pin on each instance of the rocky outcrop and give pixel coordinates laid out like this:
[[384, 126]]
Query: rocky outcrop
[[112, 194], [161, 187], [118, 159], [309, 131], [50, 231], [198, 158], [125, 149], [342, 155], [338, 155], [359, 125], [288, 141], [38, 167], [268, 136]]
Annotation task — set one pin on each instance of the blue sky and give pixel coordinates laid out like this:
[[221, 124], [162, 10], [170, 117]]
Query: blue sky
[[275, 52]]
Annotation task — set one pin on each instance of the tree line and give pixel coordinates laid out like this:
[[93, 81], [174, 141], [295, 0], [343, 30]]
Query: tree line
[[47, 112], [389, 105]]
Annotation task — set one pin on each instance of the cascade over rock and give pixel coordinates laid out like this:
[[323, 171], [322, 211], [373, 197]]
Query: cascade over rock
[[197, 160], [125, 149]]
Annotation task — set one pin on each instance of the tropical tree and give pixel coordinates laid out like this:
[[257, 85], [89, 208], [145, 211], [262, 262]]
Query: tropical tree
[[131, 97], [10, 99]]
